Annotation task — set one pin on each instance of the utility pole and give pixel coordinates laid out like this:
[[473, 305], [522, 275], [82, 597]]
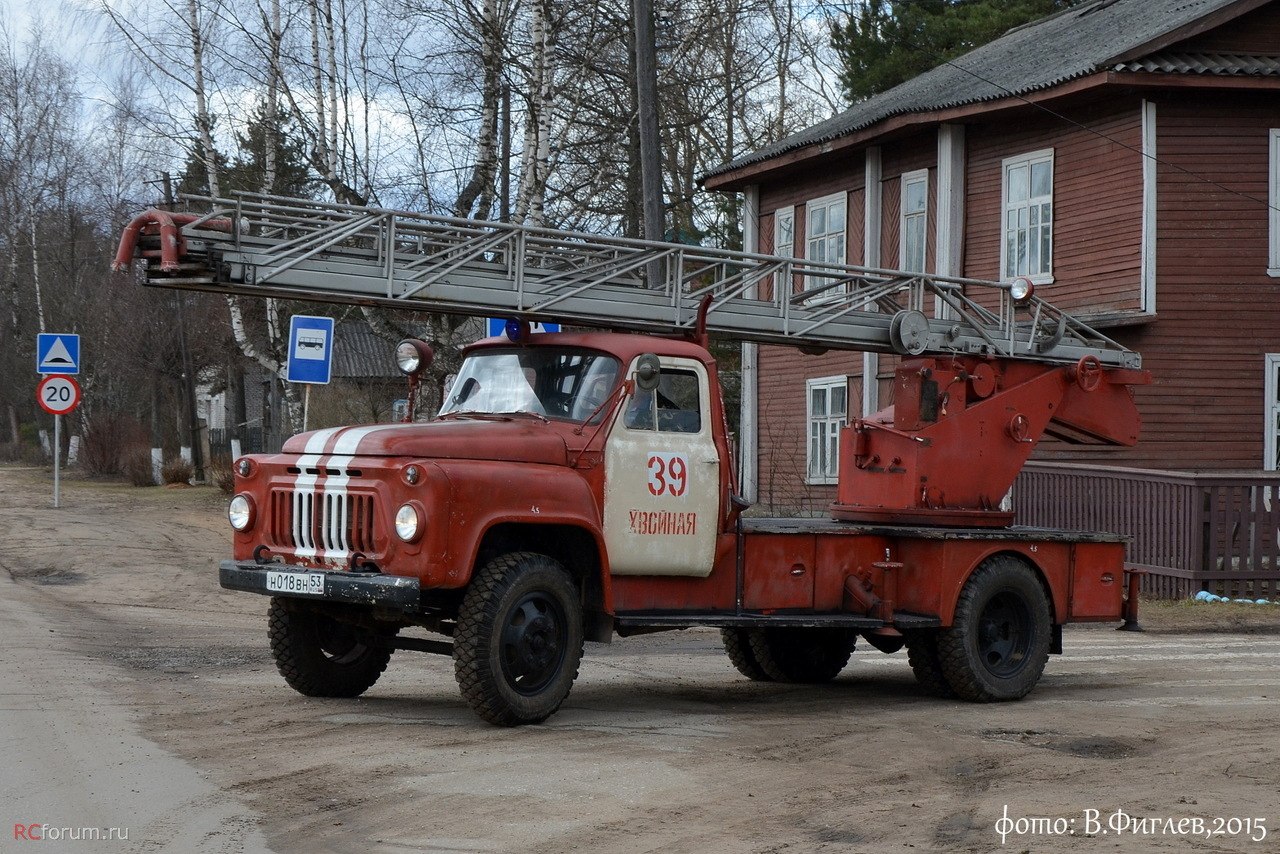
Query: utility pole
[[647, 109], [188, 366]]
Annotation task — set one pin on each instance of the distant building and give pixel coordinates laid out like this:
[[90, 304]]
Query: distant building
[[364, 389]]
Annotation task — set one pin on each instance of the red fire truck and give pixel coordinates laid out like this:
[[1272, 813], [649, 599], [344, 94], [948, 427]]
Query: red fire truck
[[580, 485]]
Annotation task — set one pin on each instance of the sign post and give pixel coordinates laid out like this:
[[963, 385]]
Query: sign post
[[58, 358], [58, 395], [310, 355]]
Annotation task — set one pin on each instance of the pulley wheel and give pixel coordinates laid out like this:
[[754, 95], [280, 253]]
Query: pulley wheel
[[909, 332]]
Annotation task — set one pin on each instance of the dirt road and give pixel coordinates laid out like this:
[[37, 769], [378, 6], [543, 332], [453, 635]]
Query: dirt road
[[137, 694]]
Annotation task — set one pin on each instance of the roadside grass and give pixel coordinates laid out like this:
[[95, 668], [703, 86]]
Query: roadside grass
[[1187, 615], [36, 482]]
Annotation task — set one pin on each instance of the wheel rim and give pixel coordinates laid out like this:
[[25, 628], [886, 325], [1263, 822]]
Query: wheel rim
[[533, 643], [338, 641], [1005, 632]]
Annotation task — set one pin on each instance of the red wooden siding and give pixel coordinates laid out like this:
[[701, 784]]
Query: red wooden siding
[[857, 225], [784, 426], [1097, 202], [902, 156], [890, 224], [783, 439], [845, 173], [765, 237], [1218, 310], [1256, 32]]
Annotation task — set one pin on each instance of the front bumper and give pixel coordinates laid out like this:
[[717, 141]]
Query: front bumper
[[358, 588]]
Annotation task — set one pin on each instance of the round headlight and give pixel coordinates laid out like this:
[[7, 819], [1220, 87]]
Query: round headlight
[[1021, 289], [240, 512], [407, 523], [244, 467], [413, 356]]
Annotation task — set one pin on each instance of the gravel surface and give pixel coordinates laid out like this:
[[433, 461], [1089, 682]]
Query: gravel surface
[[138, 694]]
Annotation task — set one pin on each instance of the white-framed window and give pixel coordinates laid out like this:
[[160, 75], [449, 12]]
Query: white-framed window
[[1027, 247], [915, 217], [827, 411], [1271, 410], [825, 235], [1273, 256], [784, 241], [825, 228]]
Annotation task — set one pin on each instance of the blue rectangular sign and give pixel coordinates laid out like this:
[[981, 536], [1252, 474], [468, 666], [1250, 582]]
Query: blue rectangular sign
[[497, 326], [310, 349], [57, 353]]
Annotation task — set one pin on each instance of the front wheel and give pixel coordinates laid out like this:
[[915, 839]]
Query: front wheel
[[519, 639], [321, 656], [998, 644]]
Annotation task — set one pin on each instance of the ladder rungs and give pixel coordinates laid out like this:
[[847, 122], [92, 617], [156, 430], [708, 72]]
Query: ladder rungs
[[332, 252]]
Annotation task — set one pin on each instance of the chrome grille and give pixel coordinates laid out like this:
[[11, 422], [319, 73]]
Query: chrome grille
[[328, 524]]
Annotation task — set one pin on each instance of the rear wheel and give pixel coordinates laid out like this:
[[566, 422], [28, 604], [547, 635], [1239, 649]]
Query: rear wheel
[[922, 655], [802, 655], [321, 656], [737, 643], [519, 639], [998, 644]]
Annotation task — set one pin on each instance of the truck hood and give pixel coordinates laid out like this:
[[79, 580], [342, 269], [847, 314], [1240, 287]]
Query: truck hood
[[518, 440]]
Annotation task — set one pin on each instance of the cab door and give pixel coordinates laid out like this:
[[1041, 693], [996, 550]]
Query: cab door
[[662, 478]]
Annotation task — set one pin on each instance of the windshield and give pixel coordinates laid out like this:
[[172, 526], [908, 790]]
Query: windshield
[[552, 382]]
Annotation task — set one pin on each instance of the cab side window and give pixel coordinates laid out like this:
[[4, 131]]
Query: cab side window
[[675, 406]]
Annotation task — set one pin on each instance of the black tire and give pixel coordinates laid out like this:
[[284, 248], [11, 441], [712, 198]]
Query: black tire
[[998, 644], [926, 664], [737, 643], [802, 655], [320, 656], [519, 639]]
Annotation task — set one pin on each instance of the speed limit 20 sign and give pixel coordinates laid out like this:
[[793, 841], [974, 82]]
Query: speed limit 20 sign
[[58, 395]]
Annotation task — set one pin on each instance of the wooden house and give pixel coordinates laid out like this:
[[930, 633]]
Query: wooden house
[[1125, 154]]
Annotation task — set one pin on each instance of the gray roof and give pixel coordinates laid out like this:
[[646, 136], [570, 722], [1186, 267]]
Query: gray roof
[[1045, 53], [1223, 64], [359, 353]]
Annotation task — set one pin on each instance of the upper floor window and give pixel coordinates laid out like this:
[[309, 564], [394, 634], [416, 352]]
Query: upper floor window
[[825, 229], [784, 238], [1028, 217], [915, 214], [1273, 262], [825, 238], [828, 409]]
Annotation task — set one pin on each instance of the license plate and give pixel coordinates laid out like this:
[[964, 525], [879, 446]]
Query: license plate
[[306, 583]]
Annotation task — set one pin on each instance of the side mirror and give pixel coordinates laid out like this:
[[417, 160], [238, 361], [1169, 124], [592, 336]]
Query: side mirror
[[648, 372]]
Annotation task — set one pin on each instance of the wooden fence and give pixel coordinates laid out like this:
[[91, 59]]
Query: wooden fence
[[1191, 531]]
